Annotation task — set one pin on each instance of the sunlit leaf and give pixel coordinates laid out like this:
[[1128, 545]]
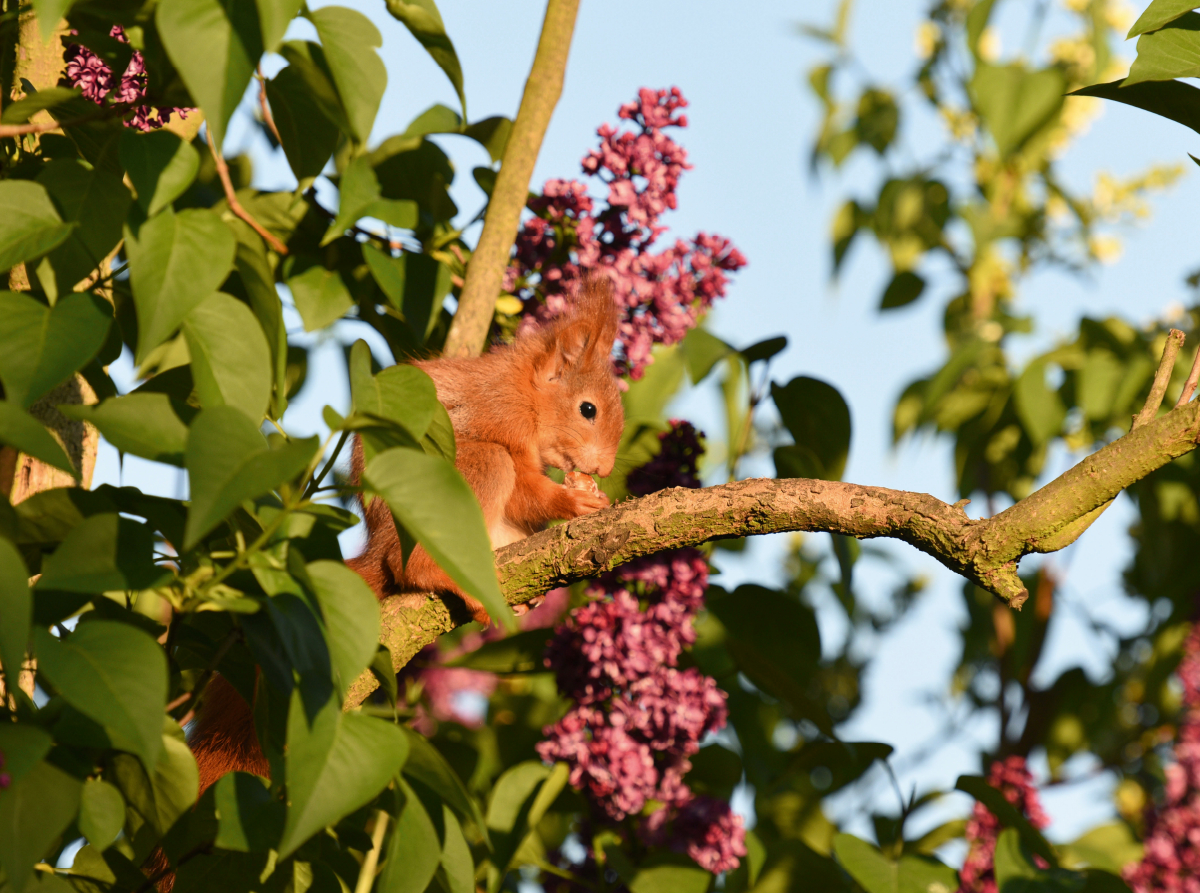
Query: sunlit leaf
[[41, 347], [33, 812], [231, 359], [114, 674], [160, 165]]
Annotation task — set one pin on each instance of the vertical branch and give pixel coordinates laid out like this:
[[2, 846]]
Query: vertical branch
[[485, 273]]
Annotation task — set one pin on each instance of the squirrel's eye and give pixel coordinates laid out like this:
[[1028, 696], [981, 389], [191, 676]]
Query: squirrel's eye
[[587, 410]]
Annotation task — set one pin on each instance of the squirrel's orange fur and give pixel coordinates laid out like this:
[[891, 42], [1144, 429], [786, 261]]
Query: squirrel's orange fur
[[516, 411]]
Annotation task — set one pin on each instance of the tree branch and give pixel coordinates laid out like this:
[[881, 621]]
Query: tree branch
[[485, 273], [985, 551]]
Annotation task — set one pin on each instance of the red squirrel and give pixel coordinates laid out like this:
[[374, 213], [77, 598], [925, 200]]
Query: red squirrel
[[548, 400]]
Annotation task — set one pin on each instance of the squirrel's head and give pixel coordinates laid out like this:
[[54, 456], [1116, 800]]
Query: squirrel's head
[[579, 412]]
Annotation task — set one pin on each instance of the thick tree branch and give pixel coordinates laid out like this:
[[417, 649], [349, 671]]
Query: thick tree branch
[[485, 273], [985, 551]]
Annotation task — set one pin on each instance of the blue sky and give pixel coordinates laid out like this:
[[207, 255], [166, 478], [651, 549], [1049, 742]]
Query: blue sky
[[742, 68]]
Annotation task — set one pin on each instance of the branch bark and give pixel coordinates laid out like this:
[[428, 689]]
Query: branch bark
[[485, 273], [985, 551]]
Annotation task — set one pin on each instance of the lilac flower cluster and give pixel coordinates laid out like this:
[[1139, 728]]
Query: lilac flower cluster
[[662, 294], [87, 71], [1011, 776], [1171, 861], [637, 717]]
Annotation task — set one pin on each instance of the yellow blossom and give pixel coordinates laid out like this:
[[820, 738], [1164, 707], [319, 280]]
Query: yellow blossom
[[1106, 249], [928, 34], [1120, 14], [989, 44]]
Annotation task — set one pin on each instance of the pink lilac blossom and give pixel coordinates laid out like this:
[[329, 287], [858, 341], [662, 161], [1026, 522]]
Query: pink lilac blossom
[[637, 717], [1171, 861], [663, 294], [1011, 776], [5, 778], [87, 71]]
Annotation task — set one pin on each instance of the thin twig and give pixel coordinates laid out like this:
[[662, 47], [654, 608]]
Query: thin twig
[[1162, 378], [366, 874], [315, 485], [1189, 386], [268, 118], [202, 683], [234, 205], [11, 130]]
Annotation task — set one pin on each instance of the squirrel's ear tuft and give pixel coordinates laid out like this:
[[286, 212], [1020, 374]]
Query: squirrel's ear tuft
[[583, 336]]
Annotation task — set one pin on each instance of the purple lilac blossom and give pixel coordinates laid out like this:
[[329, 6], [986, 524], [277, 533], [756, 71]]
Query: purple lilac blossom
[[637, 717], [1012, 778], [662, 294], [87, 71], [1171, 861]]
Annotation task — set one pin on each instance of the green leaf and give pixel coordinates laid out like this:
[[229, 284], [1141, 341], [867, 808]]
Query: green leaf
[[819, 420], [231, 359], [101, 813], [423, 20], [457, 871], [23, 745], [160, 165], [215, 46], [1040, 409], [274, 16], [29, 224], [415, 284], [430, 768], [1015, 103], [166, 794], [764, 350], [491, 133], [435, 119], [357, 188], [1008, 815], [430, 499], [41, 347], [103, 553], [349, 40], [96, 201], [905, 287], [251, 820], [147, 425], [22, 110], [702, 350], [1159, 13], [879, 874], [320, 296], [48, 13], [307, 133], [351, 614], [22, 431], [520, 653], [669, 873], [114, 674], [775, 641], [1176, 100], [335, 766], [401, 394], [176, 261], [1172, 52], [509, 811], [413, 852], [33, 813], [16, 607], [228, 461]]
